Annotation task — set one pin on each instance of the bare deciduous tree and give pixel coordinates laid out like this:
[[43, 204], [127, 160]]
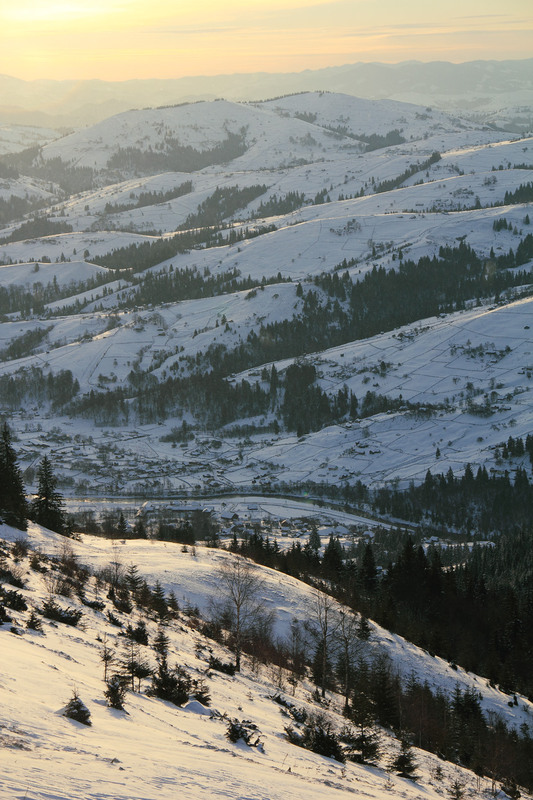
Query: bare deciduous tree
[[240, 588], [323, 624], [107, 656], [350, 647]]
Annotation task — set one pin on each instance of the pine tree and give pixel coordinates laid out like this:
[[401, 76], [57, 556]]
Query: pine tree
[[364, 745], [159, 602], [13, 508], [77, 710], [368, 572], [456, 790], [404, 764], [161, 643], [122, 528], [133, 580], [115, 692], [139, 531], [332, 561], [47, 507], [364, 631], [168, 684], [314, 538]]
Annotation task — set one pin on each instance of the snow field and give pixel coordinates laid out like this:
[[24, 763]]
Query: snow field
[[156, 749]]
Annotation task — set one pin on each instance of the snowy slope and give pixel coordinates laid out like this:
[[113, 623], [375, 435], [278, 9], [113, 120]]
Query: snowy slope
[[63, 273], [361, 116], [455, 198], [156, 749], [198, 125], [436, 361], [14, 138]]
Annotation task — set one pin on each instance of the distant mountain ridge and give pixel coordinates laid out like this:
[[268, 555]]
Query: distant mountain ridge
[[497, 91]]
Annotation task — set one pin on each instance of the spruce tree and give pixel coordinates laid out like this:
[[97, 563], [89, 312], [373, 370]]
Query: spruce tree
[[169, 684], [13, 508], [47, 507], [122, 528], [77, 710], [332, 561], [364, 745], [404, 764], [139, 531], [115, 693], [158, 602], [161, 643], [133, 580], [368, 572], [314, 538]]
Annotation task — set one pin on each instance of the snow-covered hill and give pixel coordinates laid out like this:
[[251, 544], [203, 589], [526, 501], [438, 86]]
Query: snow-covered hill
[[201, 126], [153, 748], [14, 138], [352, 211]]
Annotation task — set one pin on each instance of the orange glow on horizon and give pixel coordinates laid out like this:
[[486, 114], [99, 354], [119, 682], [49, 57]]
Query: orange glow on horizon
[[127, 39]]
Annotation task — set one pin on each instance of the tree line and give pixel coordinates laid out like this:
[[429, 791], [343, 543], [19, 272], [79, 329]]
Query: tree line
[[477, 612], [176, 157], [47, 506], [382, 301], [149, 198]]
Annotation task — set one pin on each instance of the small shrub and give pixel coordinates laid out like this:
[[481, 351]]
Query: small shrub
[[33, 623], [317, 735], [281, 701], [11, 576], [96, 605], [298, 714], [69, 616], [77, 710], [246, 731], [173, 685], [200, 692], [138, 634], [13, 599], [36, 563], [20, 548], [456, 790], [294, 736], [325, 742], [215, 663], [511, 789]]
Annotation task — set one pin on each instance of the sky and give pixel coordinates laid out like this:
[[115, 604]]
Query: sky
[[128, 39]]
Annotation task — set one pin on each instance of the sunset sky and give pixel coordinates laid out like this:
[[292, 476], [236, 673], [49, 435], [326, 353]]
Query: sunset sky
[[122, 39]]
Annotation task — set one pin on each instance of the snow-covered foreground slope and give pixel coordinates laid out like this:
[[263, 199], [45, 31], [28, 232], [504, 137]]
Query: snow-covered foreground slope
[[157, 750]]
